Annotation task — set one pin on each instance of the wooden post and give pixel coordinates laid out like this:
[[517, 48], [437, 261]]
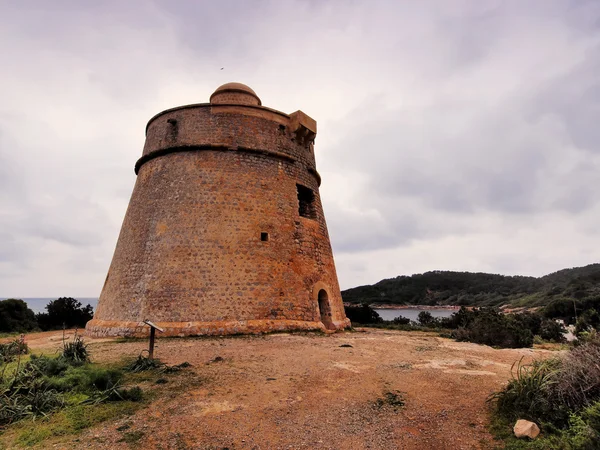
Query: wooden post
[[153, 329], [151, 349]]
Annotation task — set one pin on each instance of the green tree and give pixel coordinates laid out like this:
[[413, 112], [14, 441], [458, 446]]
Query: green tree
[[425, 318], [362, 314], [16, 316], [65, 312], [590, 319]]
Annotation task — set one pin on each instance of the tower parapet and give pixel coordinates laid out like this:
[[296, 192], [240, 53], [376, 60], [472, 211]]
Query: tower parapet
[[225, 231]]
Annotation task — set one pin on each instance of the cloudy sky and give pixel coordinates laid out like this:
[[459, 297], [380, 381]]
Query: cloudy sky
[[453, 134]]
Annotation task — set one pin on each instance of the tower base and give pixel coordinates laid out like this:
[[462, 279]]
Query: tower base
[[109, 328]]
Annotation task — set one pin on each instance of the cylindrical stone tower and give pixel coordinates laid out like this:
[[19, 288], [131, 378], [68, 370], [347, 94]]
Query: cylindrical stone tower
[[225, 231]]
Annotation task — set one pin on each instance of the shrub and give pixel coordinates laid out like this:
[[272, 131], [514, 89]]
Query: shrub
[[589, 320], [489, 327], [578, 383], [562, 308], [584, 428], [75, 352], [10, 350], [551, 391], [400, 320], [550, 330], [527, 394], [143, 363], [425, 318], [362, 314], [16, 316], [528, 320]]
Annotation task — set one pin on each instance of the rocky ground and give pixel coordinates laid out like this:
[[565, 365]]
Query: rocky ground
[[309, 391]]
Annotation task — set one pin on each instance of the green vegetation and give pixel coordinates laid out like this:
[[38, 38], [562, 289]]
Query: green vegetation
[[64, 312], [562, 395], [15, 316], [45, 384], [486, 326], [362, 314], [63, 394], [482, 289]]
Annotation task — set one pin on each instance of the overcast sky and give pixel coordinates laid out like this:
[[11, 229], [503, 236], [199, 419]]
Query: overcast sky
[[453, 134]]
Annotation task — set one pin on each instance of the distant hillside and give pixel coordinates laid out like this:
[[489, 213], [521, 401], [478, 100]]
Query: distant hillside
[[480, 289]]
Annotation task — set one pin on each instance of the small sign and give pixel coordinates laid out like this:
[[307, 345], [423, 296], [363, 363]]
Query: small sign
[[147, 322]]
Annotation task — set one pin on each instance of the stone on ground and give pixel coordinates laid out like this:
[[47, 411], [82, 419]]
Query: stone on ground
[[525, 428]]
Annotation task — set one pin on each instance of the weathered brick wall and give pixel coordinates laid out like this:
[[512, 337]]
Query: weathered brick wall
[[190, 256]]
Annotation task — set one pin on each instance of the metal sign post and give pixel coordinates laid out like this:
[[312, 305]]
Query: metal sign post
[[153, 329]]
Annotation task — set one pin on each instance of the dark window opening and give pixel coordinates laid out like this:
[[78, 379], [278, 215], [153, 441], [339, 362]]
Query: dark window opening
[[172, 129], [264, 237], [306, 202]]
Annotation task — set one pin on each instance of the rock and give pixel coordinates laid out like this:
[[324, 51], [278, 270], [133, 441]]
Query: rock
[[346, 345], [525, 428]]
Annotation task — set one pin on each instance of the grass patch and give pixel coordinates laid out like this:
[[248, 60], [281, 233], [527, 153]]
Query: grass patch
[[62, 395], [85, 395], [69, 422]]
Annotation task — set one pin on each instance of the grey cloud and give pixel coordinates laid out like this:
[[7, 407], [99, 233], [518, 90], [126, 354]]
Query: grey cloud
[[444, 127]]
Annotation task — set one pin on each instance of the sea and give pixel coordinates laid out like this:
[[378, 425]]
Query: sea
[[412, 313], [38, 305]]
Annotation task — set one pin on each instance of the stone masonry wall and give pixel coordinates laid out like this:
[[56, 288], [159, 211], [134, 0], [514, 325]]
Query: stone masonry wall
[[190, 254]]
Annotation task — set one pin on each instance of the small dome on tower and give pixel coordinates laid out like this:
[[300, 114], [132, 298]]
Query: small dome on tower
[[235, 94]]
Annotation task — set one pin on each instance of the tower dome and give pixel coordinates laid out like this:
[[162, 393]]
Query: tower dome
[[235, 94]]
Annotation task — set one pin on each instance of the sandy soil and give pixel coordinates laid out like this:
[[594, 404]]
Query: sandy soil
[[311, 391]]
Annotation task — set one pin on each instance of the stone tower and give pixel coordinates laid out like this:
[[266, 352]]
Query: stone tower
[[225, 231]]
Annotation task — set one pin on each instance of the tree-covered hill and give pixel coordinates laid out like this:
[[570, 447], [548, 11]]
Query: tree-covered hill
[[480, 289]]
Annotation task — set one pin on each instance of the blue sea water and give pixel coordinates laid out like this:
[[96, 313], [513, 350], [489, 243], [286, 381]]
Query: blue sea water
[[38, 305]]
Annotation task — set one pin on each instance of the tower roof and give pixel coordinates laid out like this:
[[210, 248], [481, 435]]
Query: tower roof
[[235, 93]]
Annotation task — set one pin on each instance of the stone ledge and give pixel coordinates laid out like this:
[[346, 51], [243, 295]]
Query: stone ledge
[[109, 328]]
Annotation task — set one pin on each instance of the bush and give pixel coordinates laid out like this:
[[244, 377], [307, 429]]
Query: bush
[[584, 429], [16, 316], [527, 395], [362, 314], [577, 385], [562, 308], [64, 312], [75, 352], [12, 349], [489, 327], [554, 391], [528, 320], [550, 330], [425, 318], [461, 318], [400, 320], [589, 320]]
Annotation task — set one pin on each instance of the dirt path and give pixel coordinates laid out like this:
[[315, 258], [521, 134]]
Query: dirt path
[[312, 391]]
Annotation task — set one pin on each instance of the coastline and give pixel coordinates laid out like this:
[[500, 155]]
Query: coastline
[[416, 307]]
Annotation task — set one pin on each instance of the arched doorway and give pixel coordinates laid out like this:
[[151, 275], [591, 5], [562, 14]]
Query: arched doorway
[[325, 309]]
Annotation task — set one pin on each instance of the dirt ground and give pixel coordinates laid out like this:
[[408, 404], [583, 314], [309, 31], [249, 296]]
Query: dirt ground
[[311, 391]]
